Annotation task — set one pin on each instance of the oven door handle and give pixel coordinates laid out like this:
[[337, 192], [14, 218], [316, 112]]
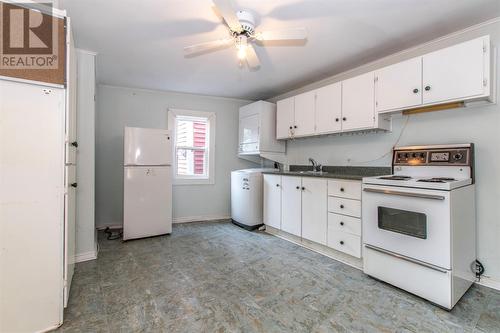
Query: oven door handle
[[405, 194], [415, 261]]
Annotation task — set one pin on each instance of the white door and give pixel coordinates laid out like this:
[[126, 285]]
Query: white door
[[69, 228], [291, 205], [314, 209], [358, 102], [147, 202], [147, 146], [272, 201], [411, 222], [456, 72], [32, 144], [249, 133], [285, 117], [304, 114], [329, 109], [399, 86]]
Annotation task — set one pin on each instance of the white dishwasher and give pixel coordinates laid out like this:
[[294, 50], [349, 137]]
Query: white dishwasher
[[246, 197]]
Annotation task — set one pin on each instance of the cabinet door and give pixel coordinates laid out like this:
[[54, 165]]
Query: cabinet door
[[329, 108], [304, 114], [399, 86], [358, 102], [456, 72], [314, 210], [285, 117], [249, 133], [272, 201], [291, 211]]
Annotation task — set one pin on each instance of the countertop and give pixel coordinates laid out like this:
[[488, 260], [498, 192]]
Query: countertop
[[338, 172]]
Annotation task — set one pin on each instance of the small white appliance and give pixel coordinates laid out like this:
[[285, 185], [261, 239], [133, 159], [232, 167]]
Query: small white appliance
[[147, 183], [246, 197], [419, 224]]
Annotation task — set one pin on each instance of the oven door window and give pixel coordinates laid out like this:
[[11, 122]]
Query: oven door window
[[403, 222]]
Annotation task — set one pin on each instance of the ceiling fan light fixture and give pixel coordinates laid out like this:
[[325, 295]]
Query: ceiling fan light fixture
[[241, 46]]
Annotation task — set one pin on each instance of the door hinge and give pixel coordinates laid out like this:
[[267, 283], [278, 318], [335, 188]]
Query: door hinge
[[485, 82], [485, 48]]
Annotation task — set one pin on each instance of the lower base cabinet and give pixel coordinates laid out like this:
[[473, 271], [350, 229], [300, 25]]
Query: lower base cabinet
[[305, 207], [314, 209]]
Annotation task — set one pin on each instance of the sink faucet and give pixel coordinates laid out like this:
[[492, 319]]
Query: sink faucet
[[316, 167]]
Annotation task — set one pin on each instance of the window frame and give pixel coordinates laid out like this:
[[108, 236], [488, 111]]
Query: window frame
[[209, 178]]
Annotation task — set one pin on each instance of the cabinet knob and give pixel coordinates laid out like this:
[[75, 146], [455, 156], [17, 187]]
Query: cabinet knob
[[341, 242], [342, 206], [74, 144], [341, 223], [344, 118], [277, 185], [303, 188], [415, 91], [295, 126], [74, 185], [341, 189], [297, 187], [291, 127], [427, 88], [337, 119]]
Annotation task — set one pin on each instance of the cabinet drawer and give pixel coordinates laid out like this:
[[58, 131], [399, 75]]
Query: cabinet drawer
[[344, 206], [345, 189], [344, 223], [344, 242]]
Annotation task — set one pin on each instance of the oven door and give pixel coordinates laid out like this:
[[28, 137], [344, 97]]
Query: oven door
[[411, 222]]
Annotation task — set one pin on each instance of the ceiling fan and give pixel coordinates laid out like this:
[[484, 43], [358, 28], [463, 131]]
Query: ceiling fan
[[241, 26]]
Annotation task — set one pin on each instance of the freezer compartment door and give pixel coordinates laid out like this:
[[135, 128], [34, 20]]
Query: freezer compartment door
[[147, 146], [147, 203]]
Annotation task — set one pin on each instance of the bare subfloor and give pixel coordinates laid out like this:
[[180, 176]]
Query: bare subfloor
[[216, 277]]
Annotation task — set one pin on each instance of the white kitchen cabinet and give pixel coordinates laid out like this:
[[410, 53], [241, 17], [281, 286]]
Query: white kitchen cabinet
[[285, 117], [350, 189], [314, 209], [457, 72], [358, 102], [399, 86], [272, 201], [344, 206], [328, 113], [304, 123], [257, 129], [291, 205]]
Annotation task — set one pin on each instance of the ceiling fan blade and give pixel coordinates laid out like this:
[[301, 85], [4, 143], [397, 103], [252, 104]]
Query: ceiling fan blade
[[226, 9], [252, 58], [285, 34], [203, 47]]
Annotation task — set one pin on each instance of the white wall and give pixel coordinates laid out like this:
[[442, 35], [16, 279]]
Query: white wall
[[85, 173], [118, 107], [480, 125]]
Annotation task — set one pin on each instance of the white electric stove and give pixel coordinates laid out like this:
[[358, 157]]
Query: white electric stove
[[419, 223]]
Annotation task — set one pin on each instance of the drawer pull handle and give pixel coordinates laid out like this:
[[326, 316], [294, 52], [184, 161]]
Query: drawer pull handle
[[341, 189], [342, 206], [341, 242], [277, 185], [342, 223]]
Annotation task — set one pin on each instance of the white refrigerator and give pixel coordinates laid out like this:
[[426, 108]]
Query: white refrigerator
[[147, 184]]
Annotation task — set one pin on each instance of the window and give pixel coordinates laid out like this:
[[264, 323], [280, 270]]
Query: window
[[194, 143]]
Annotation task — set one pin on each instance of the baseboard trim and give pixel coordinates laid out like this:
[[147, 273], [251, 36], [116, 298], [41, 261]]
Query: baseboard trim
[[86, 256], [188, 219], [489, 282]]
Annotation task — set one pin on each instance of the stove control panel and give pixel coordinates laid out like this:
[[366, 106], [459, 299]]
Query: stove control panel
[[440, 155]]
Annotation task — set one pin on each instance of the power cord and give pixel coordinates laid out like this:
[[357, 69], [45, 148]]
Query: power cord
[[113, 235], [479, 269]]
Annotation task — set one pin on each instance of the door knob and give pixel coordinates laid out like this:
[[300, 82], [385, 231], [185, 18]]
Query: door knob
[[74, 185], [74, 144]]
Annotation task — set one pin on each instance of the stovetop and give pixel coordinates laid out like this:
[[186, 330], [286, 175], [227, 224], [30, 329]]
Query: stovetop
[[433, 183]]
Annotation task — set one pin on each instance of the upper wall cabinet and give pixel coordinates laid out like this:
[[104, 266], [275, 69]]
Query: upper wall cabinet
[[304, 114], [399, 85], [257, 129], [457, 73], [329, 109], [358, 109], [285, 118]]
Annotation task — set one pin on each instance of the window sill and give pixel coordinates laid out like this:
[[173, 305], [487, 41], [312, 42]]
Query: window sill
[[192, 181]]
